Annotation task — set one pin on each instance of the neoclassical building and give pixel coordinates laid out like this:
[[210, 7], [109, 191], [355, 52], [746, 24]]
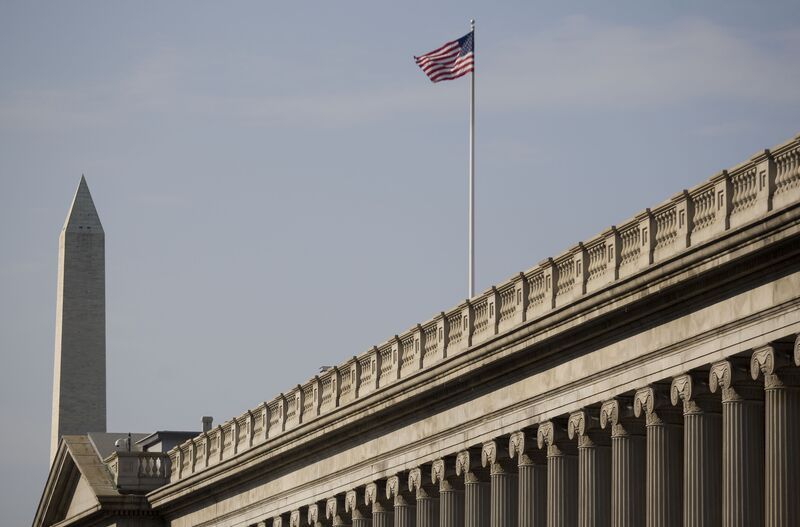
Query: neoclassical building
[[648, 376]]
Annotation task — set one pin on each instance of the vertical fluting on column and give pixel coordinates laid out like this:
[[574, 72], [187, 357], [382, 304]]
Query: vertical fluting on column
[[562, 475], [742, 443], [782, 434], [375, 496], [451, 492], [355, 504], [664, 472], [531, 480], [503, 484], [477, 491], [627, 462], [336, 513], [594, 468], [427, 495], [404, 502], [702, 444]]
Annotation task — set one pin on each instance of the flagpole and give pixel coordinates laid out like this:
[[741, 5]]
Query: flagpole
[[472, 172]]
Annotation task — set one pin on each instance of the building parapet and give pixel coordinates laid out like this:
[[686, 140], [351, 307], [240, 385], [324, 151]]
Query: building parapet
[[138, 472], [732, 198]]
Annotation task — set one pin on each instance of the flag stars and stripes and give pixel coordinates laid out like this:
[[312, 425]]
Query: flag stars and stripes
[[451, 61]]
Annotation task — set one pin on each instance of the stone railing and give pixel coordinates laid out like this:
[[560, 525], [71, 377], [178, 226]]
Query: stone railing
[[768, 181], [139, 472]]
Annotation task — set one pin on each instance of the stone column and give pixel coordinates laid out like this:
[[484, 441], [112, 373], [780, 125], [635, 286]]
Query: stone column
[[532, 480], [627, 462], [562, 474], [702, 445], [281, 521], [594, 468], [355, 504], [664, 473], [336, 513], [427, 495], [503, 478], [742, 443], [375, 496], [451, 492], [782, 434], [476, 488], [405, 509]]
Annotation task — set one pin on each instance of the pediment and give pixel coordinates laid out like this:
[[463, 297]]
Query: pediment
[[77, 482]]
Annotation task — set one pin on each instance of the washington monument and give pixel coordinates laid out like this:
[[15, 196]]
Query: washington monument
[[79, 372]]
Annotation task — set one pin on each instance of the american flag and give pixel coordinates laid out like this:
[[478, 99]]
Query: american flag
[[450, 61]]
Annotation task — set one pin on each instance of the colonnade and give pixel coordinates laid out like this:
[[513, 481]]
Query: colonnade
[[716, 446]]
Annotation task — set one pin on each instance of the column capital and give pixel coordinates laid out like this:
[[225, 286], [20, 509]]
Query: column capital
[[552, 435], [443, 473], [316, 513], [419, 485], [731, 378], [584, 425], [395, 490], [281, 520], [299, 517], [618, 415], [654, 403], [522, 444], [468, 464], [772, 361], [496, 459], [692, 389], [797, 351], [355, 504], [376, 496], [336, 510]]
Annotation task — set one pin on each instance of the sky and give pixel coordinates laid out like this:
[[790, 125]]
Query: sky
[[281, 187]]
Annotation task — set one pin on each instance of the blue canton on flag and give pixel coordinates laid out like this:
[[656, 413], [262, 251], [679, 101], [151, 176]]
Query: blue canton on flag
[[450, 61]]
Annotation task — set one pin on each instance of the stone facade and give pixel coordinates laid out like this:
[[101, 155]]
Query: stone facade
[[648, 376]]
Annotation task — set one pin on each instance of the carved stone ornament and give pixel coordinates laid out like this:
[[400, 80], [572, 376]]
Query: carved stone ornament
[[681, 389], [463, 463], [545, 435], [516, 444], [644, 401], [438, 471], [414, 479], [797, 351], [351, 501], [488, 453], [609, 413], [392, 487], [295, 518], [313, 514], [332, 508], [762, 361], [720, 376], [576, 425]]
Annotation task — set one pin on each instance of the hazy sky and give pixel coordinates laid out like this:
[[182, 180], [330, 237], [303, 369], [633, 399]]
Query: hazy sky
[[282, 188]]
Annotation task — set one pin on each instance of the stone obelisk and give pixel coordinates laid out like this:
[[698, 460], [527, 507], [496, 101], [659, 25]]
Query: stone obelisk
[[79, 373]]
